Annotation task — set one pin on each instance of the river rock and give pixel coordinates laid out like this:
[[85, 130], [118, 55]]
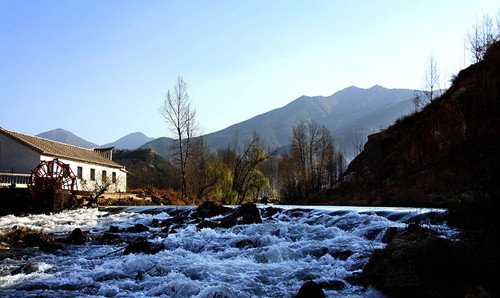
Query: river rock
[[416, 263], [108, 237], [35, 239], [77, 237], [247, 243], [245, 214], [310, 290], [138, 228], [51, 247], [209, 209], [27, 268], [144, 246], [114, 229]]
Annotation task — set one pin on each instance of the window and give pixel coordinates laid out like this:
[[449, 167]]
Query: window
[[114, 177], [104, 178], [79, 172], [92, 174]]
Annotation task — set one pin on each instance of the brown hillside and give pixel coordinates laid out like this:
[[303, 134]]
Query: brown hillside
[[444, 153]]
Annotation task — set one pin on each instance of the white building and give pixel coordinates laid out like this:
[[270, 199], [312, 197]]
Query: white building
[[21, 153]]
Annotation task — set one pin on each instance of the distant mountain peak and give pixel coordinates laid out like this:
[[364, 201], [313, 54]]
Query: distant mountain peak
[[131, 141], [67, 137]]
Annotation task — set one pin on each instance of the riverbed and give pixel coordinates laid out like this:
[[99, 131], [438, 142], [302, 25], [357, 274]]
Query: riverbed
[[294, 244]]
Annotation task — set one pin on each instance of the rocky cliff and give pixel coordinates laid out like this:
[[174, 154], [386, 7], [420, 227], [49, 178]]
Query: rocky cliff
[[445, 153]]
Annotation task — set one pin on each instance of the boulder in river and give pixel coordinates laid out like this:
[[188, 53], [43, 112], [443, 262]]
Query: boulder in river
[[138, 228], [245, 214], [144, 246], [417, 263], [77, 237], [209, 209], [310, 290]]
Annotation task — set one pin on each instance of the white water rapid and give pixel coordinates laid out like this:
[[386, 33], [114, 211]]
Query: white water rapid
[[272, 259]]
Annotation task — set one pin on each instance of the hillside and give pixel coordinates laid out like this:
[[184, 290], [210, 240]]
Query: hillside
[[64, 136], [131, 141], [146, 169], [445, 153]]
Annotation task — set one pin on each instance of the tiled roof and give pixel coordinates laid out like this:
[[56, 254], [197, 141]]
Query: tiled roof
[[60, 150]]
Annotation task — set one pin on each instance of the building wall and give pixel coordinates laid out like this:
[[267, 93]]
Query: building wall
[[16, 156], [86, 183]]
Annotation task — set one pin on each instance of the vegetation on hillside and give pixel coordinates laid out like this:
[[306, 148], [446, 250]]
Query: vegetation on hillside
[[444, 155]]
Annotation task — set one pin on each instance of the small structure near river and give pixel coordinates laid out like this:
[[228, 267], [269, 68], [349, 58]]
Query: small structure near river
[[41, 175]]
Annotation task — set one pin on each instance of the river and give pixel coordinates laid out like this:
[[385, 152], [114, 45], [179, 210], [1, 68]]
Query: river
[[294, 244]]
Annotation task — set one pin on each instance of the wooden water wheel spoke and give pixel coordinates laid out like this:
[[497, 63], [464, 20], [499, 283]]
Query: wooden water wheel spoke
[[52, 175]]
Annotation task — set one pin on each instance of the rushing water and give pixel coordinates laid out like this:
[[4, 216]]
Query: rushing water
[[272, 259]]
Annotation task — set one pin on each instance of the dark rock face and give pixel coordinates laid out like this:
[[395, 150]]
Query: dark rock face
[[417, 263], [310, 290], [435, 156]]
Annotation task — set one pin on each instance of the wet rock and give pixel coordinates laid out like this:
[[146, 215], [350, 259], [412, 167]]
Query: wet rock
[[144, 246], [270, 211], [310, 290], [247, 243], [207, 224], [51, 247], [166, 229], [372, 234], [27, 268], [165, 224], [177, 219], [35, 239], [91, 290], [138, 228], [77, 237], [23, 237], [417, 263], [155, 222], [110, 237], [245, 214], [319, 252], [114, 229], [341, 255], [390, 234], [209, 209], [139, 275], [335, 285]]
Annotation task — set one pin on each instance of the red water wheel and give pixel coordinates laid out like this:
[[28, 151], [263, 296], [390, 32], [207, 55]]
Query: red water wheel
[[52, 175]]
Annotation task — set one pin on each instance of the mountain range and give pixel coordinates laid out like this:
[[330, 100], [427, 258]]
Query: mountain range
[[131, 141], [350, 114]]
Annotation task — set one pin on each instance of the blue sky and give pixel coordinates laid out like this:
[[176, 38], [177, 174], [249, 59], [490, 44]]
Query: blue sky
[[100, 69]]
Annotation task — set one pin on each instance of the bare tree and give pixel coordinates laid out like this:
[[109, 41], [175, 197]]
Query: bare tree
[[200, 177], [313, 159], [97, 187], [430, 87], [431, 80], [177, 112], [482, 36]]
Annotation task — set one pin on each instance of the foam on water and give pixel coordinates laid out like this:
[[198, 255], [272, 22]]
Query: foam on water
[[272, 259]]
